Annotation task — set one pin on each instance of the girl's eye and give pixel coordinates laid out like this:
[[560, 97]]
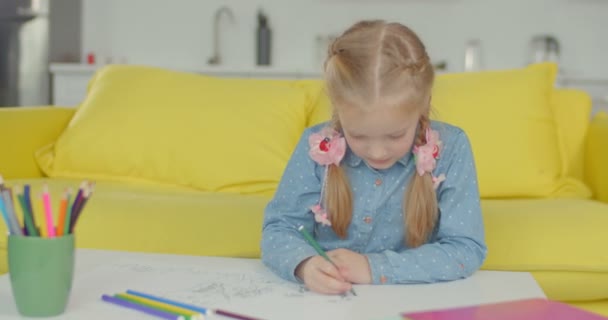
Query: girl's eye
[[395, 137]]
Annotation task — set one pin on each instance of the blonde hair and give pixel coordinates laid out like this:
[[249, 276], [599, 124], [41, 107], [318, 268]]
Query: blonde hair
[[377, 61]]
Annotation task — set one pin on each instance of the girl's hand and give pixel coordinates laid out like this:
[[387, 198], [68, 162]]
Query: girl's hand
[[319, 275], [353, 266]]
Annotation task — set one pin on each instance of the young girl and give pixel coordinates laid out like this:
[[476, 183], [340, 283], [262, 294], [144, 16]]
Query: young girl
[[391, 196]]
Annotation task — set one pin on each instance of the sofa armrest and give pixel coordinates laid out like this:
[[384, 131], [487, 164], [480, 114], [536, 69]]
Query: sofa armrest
[[23, 130], [596, 157]]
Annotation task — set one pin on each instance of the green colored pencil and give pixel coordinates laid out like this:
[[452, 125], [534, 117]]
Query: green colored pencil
[[187, 314]]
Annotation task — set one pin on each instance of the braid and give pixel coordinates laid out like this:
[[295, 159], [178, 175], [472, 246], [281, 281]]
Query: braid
[[418, 67], [423, 123]]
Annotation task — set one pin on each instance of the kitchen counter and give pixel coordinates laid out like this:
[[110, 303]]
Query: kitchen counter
[[70, 80], [257, 71]]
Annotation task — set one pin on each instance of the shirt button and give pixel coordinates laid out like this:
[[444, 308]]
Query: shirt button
[[367, 219], [378, 182]]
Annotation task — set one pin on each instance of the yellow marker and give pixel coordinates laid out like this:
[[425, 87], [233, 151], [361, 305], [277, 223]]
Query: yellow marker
[[189, 314]]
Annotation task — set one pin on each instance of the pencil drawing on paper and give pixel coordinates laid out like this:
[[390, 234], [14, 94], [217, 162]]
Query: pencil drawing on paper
[[200, 286]]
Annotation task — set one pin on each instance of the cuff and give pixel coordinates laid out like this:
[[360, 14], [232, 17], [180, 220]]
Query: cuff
[[294, 263], [382, 272]]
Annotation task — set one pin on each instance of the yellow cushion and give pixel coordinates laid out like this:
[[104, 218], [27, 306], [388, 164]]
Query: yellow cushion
[[152, 125], [572, 110], [508, 118], [596, 156], [551, 238], [166, 219]]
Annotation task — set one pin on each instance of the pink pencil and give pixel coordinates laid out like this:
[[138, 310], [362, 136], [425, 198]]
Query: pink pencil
[[46, 200]]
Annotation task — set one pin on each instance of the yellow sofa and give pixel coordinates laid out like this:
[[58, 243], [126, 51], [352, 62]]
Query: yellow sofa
[[185, 164]]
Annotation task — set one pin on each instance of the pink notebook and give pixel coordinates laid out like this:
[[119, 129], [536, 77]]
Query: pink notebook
[[529, 309]]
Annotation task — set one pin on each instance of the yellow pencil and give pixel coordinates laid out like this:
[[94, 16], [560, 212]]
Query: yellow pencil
[[189, 314]]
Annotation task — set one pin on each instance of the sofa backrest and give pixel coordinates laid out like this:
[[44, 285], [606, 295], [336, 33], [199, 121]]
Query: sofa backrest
[[150, 125]]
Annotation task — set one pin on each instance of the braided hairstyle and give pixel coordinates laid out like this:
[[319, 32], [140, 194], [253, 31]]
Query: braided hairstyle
[[373, 62]]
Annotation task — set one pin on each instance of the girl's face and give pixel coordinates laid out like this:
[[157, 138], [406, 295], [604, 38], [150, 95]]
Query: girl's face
[[380, 136]]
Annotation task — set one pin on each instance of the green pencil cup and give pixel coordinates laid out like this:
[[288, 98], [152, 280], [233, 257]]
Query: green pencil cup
[[41, 272]]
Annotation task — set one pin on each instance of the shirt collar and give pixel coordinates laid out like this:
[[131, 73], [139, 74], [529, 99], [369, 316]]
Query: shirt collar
[[353, 160]]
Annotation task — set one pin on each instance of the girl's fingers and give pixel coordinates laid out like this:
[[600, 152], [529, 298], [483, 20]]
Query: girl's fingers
[[328, 285], [331, 270], [330, 281], [322, 276]]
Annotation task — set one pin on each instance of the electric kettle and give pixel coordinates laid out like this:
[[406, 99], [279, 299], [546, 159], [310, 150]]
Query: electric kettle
[[544, 48]]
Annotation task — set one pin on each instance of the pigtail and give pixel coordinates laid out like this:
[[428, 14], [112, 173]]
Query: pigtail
[[338, 200], [338, 196], [421, 208]]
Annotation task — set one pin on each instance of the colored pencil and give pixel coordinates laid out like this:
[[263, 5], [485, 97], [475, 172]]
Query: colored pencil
[[318, 248], [68, 215], [233, 315], [167, 301], [7, 209], [191, 307], [48, 211], [134, 306], [26, 231], [4, 212], [78, 203], [28, 201], [10, 212], [63, 204], [27, 216], [187, 314], [86, 194]]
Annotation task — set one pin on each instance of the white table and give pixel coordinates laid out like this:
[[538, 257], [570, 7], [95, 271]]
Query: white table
[[246, 286]]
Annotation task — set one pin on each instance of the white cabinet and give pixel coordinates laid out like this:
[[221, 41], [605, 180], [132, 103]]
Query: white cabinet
[[70, 81]]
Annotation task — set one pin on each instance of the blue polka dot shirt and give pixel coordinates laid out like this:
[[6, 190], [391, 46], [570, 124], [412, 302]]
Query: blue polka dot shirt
[[455, 249]]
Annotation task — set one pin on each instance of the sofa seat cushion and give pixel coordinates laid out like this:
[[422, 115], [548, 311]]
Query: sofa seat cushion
[[561, 241], [148, 218]]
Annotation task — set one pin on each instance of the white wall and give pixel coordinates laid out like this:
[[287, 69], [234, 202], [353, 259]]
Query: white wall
[[178, 33]]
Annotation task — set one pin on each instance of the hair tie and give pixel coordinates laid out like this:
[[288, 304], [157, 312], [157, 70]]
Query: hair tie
[[327, 147], [427, 154]]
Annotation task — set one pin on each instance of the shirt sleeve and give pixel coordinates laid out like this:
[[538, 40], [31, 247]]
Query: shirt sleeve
[[457, 249], [282, 245]]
